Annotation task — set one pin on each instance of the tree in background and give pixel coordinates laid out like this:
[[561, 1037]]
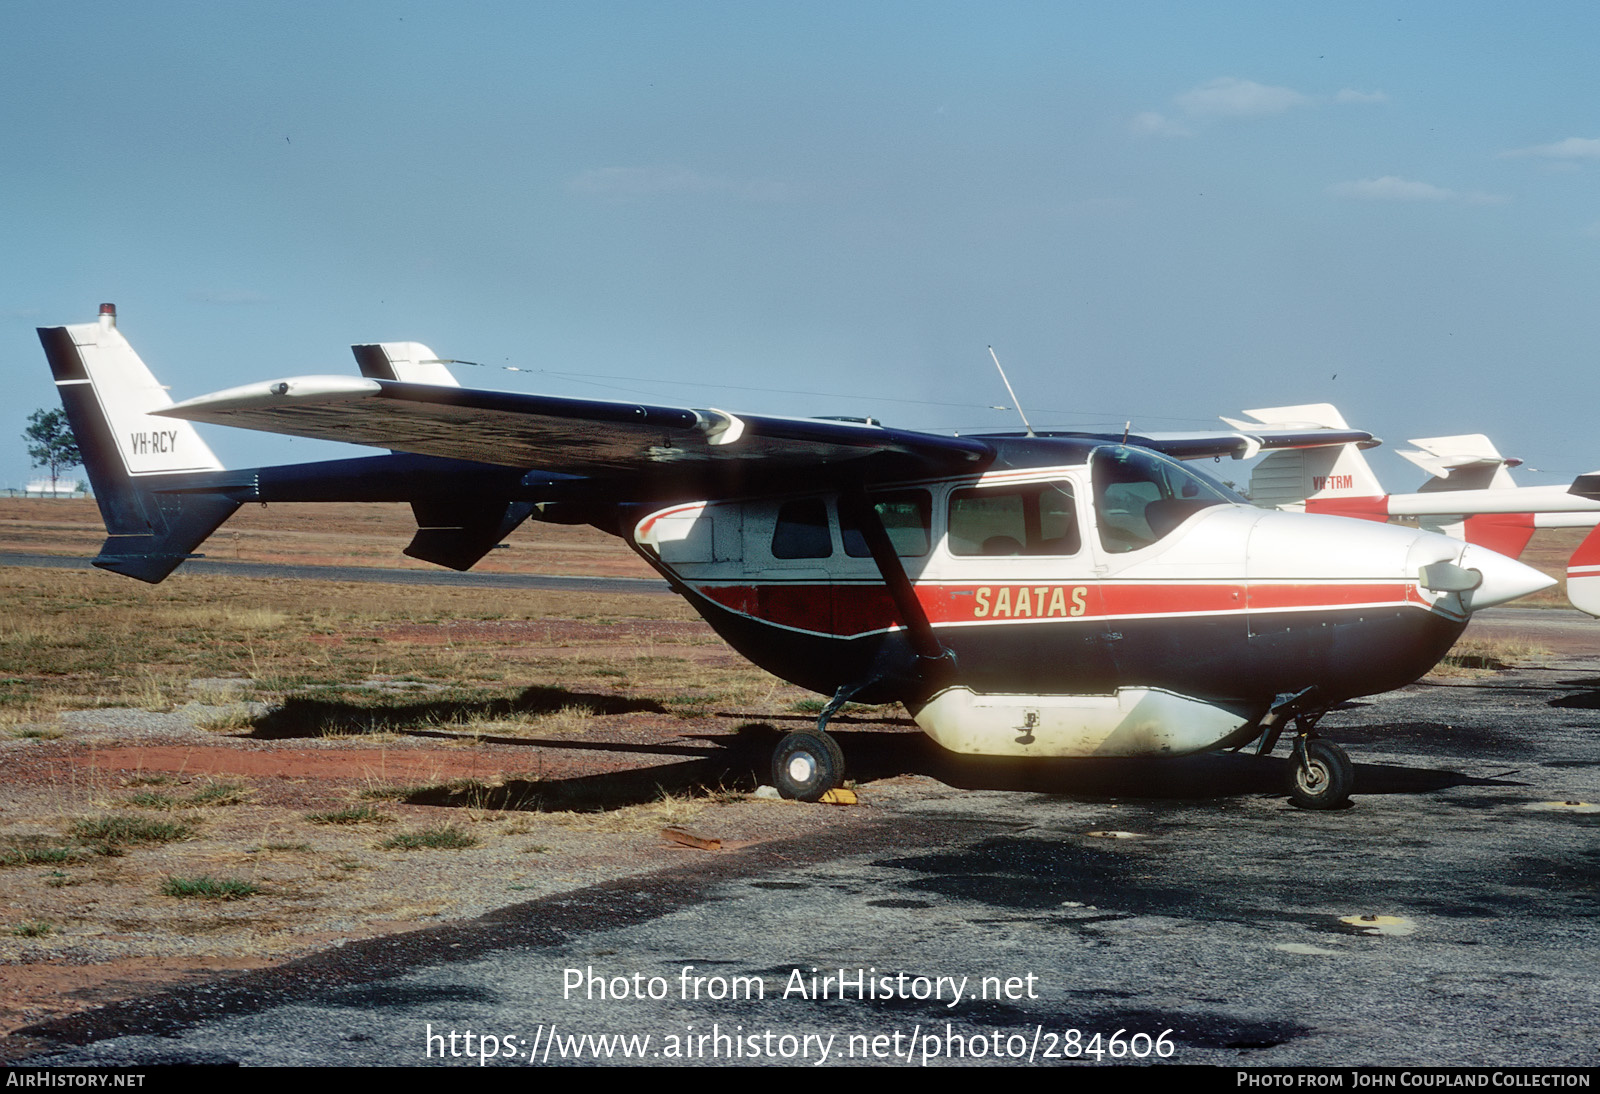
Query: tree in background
[[51, 443]]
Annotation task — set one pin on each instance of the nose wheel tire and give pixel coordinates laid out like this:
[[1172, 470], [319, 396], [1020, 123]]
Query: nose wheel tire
[[806, 766], [1321, 775]]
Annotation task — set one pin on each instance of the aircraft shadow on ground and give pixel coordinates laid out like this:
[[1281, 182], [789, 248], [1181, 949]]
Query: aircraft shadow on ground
[[706, 763], [1206, 776], [308, 716], [1584, 694]]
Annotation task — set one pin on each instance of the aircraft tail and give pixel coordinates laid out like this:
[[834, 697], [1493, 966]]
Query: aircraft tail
[[1583, 575], [147, 472], [408, 362], [1333, 479], [1469, 461]]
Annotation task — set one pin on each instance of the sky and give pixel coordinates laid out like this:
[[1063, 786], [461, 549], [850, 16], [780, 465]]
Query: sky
[[1154, 212]]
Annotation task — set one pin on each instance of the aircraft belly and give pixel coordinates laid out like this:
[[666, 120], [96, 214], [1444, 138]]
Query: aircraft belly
[[1349, 652]]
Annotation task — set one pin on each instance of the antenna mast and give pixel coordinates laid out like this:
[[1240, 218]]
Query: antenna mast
[[1014, 400]]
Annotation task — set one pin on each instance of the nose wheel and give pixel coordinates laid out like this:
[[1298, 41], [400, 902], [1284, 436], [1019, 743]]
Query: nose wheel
[[1321, 774], [806, 766]]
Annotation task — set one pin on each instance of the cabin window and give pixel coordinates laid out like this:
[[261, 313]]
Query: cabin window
[[907, 516], [1036, 519], [802, 530], [1140, 496]]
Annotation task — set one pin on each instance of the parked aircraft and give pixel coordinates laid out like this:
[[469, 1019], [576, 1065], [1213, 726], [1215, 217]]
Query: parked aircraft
[[1027, 595], [1470, 494]]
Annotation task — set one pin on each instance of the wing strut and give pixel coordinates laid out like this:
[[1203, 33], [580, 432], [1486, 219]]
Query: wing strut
[[934, 660]]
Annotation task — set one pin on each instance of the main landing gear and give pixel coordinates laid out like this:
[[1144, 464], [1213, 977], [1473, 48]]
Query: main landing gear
[[807, 765]]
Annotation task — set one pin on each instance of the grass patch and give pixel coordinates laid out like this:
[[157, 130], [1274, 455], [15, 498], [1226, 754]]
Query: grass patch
[[394, 792], [33, 928], [355, 814], [153, 799], [1474, 656], [23, 852], [442, 837], [218, 793], [153, 779], [210, 793], [208, 888], [232, 718], [120, 831]]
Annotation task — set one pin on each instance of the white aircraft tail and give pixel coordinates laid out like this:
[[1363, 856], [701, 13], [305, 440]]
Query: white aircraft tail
[[1468, 461], [408, 362], [1330, 479], [134, 459], [123, 392]]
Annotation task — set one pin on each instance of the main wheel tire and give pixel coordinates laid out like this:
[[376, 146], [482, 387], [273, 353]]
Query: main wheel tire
[[1323, 778], [837, 754], [804, 767]]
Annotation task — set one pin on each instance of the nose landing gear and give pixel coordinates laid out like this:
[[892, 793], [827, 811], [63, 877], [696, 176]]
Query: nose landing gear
[[1321, 774]]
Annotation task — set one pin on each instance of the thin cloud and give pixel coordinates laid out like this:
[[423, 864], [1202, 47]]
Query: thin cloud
[[1394, 188], [1151, 124], [1230, 97], [1573, 148], [641, 182]]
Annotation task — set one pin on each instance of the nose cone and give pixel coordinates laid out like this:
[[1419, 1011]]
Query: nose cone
[[1503, 578]]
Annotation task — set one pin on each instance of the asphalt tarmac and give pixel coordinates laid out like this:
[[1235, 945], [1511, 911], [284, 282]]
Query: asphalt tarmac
[[1178, 911]]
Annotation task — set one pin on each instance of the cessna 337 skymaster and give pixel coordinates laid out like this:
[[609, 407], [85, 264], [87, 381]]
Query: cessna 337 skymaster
[[1055, 595]]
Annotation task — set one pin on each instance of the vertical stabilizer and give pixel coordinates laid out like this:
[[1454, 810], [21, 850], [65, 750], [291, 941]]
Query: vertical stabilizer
[[138, 464], [1583, 575], [408, 362], [1469, 461], [1333, 479]]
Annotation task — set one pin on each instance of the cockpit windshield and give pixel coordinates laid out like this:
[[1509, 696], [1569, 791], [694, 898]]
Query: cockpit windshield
[[1140, 496]]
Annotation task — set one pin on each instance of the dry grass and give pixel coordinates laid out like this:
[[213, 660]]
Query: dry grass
[[1475, 655], [440, 668], [72, 640], [668, 809]]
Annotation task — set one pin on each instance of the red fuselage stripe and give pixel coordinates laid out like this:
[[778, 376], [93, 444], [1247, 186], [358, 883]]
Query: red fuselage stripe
[[850, 609]]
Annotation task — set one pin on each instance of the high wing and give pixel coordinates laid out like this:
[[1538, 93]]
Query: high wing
[[645, 447], [474, 464], [620, 443]]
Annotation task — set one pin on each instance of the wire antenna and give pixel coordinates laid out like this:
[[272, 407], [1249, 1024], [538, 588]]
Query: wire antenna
[[1014, 400]]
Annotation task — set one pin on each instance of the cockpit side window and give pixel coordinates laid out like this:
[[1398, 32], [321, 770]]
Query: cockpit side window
[[1035, 519], [1139, 497], [801, 530], [907, 516]]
